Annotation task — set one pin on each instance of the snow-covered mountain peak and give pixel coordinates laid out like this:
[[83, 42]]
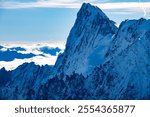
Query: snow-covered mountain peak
[[87, 10], [91, 32], [130, 32], [90, 19], [134, 25]]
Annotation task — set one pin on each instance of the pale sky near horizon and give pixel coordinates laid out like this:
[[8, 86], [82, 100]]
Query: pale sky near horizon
[[51, 20]]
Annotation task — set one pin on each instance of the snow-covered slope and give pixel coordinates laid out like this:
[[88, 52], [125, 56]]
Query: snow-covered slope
[[88, 41], [126, 74]]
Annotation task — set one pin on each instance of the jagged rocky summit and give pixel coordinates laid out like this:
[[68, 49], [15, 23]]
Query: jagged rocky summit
[[87, 42], [100, 61]]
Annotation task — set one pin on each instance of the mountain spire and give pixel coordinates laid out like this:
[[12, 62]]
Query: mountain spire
[[91, 28]]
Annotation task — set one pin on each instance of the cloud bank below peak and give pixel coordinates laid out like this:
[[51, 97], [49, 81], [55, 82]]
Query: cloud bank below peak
[[14, 55]]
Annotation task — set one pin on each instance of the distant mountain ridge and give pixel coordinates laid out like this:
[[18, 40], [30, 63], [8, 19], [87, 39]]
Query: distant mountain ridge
[[100, 61], [11, 55]]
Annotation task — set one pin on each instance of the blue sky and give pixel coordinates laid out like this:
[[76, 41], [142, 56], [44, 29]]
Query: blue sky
[[36, 24], [51, 20]]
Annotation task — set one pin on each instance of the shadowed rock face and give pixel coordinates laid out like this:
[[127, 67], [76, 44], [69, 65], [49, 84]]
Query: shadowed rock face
[[24, 80], [5, 77]]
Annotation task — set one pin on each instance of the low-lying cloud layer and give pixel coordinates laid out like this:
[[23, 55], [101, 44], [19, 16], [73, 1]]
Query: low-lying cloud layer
[[13, 55]]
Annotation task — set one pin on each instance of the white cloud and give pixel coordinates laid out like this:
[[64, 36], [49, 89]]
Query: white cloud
[[38, 60], [32, 45], [69, 1], [33, 48], [121, 12], [132, 6], [72, 4], [124, 5], [3, 49], [45, 3]]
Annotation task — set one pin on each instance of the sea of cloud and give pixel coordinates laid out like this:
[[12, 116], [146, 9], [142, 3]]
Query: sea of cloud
[[44, 53]]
